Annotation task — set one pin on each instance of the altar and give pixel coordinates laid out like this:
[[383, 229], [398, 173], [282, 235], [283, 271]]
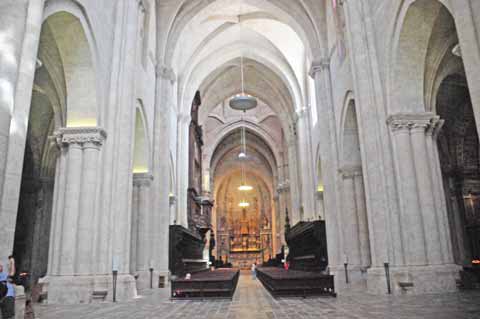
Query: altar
[[246, 240]]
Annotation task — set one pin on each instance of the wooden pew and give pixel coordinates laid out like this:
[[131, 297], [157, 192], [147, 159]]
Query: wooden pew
[[217, 284], [280, 282]]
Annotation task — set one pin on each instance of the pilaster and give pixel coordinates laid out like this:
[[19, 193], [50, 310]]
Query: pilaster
[[143, 230]]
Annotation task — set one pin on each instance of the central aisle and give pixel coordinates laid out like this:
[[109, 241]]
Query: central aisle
[[251, 299]]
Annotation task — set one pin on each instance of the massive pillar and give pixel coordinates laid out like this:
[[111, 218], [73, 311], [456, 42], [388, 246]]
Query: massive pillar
[[20, 27], [422, 219], [73, 269], [161, 171], [143, 230]]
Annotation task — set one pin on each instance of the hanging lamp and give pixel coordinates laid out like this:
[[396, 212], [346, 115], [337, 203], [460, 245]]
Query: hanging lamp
[[243, 101]]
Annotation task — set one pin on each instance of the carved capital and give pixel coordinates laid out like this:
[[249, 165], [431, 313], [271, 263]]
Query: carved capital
[[412, 122], [319, 66], [142, 179], [81, 136], [165, 72]]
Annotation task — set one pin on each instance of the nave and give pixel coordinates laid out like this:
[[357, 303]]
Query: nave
[[252, 301]]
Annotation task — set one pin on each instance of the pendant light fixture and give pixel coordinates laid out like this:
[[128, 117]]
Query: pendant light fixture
[[243, 101]]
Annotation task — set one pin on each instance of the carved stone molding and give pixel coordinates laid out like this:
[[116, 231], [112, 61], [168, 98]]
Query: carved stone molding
[[423, 122], [301, 113], [319, 66], [83, 136], [142, 5], [166, 73], [142, 179], [283, 186], [350, 171]]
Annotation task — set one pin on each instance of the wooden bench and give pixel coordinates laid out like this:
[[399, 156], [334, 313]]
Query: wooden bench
[[217, 284], [280, 282]]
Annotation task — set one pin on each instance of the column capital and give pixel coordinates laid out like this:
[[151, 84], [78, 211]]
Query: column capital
[[350, 171], [142, 179], [165, 72], [93, 136], [413, 121], [319, 66]]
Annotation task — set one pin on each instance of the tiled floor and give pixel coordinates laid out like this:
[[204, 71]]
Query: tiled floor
[[251, 300]]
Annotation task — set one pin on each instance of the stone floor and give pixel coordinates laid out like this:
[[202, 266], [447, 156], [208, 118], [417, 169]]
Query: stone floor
[[251, 300]]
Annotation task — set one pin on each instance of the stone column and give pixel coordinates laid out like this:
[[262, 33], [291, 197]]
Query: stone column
[[143, 230], [294, 182], [12, 28], [134, 232], [320, 72], [182, 169], [305, 165], [377, 169], [350, 218], [426, 191], [164, 99], [20, 27], [366, 259], [423, 234], [85, 242], [72, 248], [413, 237]]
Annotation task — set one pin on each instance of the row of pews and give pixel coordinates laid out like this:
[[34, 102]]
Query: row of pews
[[306, 275], [215, 284], [186, 252], [307, 259], [295, 283]]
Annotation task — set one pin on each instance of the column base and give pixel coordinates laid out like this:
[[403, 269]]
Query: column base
[[80, 289], [414, 279], [357, 279], [160, 279]]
